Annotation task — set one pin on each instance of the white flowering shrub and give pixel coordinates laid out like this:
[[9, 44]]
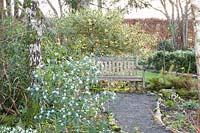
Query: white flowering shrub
[[66, 103], [17, 129]]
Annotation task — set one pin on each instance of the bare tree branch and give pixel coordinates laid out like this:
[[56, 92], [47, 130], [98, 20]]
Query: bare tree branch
[[53, 8]]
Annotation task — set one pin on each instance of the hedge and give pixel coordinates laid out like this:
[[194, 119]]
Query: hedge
[[183, 61]]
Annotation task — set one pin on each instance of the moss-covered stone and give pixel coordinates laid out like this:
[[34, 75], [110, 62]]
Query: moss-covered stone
[[116, 128], [166, 93]]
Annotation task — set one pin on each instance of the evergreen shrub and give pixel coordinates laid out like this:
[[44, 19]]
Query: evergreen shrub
[[184, 61]]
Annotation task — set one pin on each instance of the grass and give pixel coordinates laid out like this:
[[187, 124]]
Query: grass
[[149, 75]]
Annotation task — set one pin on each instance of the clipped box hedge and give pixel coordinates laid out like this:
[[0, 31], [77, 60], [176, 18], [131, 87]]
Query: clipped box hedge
[[183, 61]]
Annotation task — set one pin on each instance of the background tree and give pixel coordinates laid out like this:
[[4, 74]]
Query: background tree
[[130, 4], [72, 5], [177, 20], [185, 11]]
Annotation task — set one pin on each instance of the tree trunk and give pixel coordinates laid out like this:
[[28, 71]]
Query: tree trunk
[[185, 33], [1, 10], [196, 13], [185, 12], [8, 7], [1, 17], [173, 31], [35, 21], [99, 5], [16, 9]]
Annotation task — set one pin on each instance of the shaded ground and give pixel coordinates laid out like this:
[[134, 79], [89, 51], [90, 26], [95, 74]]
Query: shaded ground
[[132, 112]]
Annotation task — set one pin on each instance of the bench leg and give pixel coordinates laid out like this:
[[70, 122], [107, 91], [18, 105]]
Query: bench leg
[[143, 84], [136, 85], [131, 86]]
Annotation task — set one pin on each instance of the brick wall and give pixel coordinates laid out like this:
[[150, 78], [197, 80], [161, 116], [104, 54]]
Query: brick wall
[[159, 28]]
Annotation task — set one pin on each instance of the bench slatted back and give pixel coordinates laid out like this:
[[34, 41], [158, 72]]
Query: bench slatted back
[[116, 66]]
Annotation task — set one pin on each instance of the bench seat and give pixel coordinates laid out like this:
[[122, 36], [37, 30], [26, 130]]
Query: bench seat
[[120, 69], [122, 78]]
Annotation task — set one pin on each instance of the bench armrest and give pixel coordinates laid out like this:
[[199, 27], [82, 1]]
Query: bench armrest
[[141, 68]]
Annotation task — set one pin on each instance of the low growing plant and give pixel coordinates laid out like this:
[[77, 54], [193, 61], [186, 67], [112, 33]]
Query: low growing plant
[[4, 129], [172, 81], [190, 105], [66, 103]]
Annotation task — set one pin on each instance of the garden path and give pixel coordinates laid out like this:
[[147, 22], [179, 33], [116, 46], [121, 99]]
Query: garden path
[[132, 112]]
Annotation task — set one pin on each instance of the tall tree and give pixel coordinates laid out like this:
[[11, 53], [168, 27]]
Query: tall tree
[[35, 23], [184, 22], [177, 18], [195, 6]]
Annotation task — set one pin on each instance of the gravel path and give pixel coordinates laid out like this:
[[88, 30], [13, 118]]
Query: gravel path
[[132, 111]]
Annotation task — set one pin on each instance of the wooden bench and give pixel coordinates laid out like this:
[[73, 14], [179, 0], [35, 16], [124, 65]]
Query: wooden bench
[[120, 69]]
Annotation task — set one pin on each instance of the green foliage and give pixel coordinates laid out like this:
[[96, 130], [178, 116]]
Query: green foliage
[[28, 113], [73, 109], [65, 100], [190, 105], [184, 61], [170, 81], [165, 45], [17, 129], [156, 84], [177, 112], [188, 94], [9, 120], [87, 32], [14, 67], [166, 93], [170, 103], [179, 122]]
